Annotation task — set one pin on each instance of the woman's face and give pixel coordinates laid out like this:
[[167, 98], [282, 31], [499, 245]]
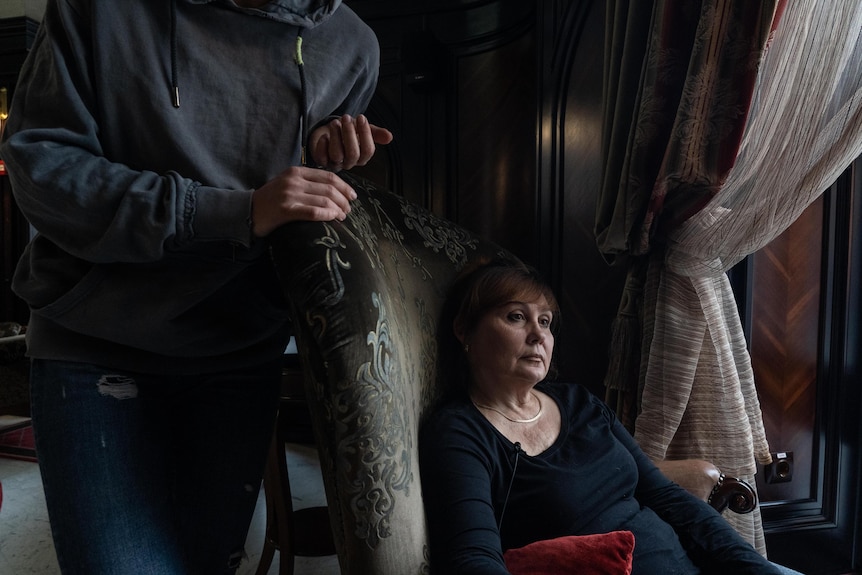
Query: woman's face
[[513, 341]]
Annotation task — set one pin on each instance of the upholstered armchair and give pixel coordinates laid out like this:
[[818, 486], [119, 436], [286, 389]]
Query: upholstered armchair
[[365, 295]]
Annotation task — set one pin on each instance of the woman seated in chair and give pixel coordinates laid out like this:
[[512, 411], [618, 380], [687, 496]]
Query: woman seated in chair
[[509, 459]]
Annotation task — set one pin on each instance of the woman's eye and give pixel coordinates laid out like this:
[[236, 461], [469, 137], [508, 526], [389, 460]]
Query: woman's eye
[[516, 316]]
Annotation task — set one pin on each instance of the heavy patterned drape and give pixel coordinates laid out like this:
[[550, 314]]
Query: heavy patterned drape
[[725, 119]]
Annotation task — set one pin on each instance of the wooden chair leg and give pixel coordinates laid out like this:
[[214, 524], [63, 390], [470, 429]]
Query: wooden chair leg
[[276, 486], [314, 538]]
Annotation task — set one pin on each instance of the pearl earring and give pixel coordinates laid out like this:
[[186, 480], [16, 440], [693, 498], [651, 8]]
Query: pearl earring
[[466, 348]]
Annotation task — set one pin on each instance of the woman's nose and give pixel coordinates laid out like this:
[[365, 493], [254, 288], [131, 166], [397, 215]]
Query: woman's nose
[[536, 334]]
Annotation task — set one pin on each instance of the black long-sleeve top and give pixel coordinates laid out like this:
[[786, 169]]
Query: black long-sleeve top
[[593, 479]]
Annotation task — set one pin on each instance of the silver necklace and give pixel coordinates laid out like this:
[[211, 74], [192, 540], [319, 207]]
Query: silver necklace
[[513, 420]]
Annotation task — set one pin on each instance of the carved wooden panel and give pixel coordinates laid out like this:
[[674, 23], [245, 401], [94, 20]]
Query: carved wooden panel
[[786, 300], [496, 110], [805, 321], [570, 156], [457, 88]]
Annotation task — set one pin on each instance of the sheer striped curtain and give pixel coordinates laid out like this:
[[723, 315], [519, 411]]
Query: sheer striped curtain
[[802, 128]]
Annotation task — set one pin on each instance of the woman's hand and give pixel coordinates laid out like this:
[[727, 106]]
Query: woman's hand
[[299, 193], [346, 142]]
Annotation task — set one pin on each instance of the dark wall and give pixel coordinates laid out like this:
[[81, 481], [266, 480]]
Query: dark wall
[[496, 110], [458, 88], [16, 36], [569, 172]]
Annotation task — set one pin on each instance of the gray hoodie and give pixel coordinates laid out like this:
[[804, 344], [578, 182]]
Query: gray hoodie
[[144, 258]]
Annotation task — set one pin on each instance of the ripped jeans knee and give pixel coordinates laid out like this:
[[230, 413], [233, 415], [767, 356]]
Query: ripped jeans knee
[[117, 386]]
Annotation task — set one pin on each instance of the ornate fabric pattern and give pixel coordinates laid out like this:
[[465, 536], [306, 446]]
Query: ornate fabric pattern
[[365, 295]]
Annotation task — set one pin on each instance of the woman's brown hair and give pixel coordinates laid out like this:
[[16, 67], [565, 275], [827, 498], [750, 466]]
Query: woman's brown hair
[[482, 287]]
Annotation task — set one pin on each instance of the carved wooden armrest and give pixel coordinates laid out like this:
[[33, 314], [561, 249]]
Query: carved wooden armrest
[[705, 481], [732, 493]]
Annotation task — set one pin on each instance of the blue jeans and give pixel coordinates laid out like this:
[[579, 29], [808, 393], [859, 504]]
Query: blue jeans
[[786, 570], [151, 475]]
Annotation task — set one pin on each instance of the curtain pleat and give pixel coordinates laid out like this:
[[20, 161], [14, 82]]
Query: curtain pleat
[[672, 128]]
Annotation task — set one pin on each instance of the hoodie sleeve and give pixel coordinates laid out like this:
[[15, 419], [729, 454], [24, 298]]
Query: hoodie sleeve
[[360, 83], [93, 208]]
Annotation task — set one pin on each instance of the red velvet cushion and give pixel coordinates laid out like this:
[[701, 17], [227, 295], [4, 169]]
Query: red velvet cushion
[[603, 554]]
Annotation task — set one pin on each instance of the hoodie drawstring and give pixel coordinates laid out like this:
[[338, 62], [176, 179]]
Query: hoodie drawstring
[[175, 88], [303, 96], [297, 57]]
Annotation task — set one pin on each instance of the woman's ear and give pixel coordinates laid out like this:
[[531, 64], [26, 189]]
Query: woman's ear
[[458, 330]]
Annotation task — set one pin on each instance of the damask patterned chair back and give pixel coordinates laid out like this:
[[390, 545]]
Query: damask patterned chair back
[[365, 296]]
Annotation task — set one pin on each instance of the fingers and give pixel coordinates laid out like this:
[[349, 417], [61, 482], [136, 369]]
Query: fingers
[[319, 144], [380, 135], [300, 193], [343, 143], [358, 143], [361, 141], [347, 142]]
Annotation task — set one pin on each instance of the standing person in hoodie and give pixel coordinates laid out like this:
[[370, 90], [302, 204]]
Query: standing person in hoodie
[[153, 145]]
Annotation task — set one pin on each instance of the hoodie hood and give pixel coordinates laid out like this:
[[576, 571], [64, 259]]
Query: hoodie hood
[[302, 13]]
